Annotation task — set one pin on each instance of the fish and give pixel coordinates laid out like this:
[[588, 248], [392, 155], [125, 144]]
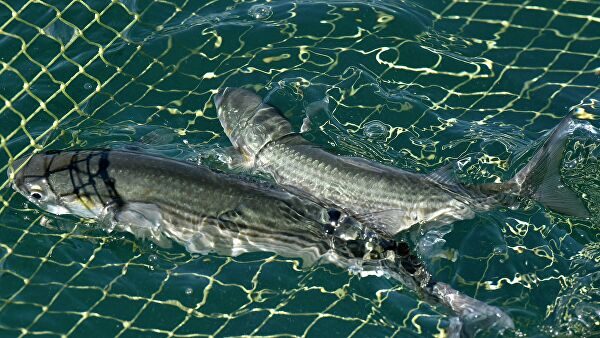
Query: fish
[[169, 201], [388, 199]]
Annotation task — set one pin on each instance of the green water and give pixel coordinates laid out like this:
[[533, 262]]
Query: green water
[[412, 84]]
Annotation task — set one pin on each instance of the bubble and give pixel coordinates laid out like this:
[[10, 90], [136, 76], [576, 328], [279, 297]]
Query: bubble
[[88, 86], [188, 291], [499, 250], [260, 12], [376, 129], [152, 258]]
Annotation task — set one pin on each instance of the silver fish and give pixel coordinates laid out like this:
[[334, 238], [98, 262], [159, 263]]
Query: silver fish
[[165, 200], [388, 199]]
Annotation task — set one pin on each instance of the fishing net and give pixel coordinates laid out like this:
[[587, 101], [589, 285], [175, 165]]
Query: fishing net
[[415, 84]]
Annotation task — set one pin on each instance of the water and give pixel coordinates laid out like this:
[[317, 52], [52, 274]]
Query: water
[[413, 84]]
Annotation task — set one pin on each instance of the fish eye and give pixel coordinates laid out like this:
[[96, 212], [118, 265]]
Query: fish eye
[[36, 194]]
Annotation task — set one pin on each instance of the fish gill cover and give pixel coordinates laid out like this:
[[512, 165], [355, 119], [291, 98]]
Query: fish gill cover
[[413, 84]]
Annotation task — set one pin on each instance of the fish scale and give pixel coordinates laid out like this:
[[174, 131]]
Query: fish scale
[[366, 191]]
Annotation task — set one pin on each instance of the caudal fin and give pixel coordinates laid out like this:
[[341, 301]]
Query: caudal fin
[[475, 316], [540, 178]]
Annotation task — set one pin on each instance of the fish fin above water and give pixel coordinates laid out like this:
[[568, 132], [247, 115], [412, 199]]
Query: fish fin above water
[[556, 196], [311, 110], [445, 178], [540, 178], [143, 220], [444, 175], [306, 125]]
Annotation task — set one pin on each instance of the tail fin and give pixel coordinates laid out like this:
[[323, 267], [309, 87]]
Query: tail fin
[[540, 178], [474, 315]]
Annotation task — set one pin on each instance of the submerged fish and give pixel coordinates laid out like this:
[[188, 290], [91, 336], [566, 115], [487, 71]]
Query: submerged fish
[[389, 199], [166, 200]]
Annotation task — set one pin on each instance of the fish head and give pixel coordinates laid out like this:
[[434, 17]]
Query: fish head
[[249, 123], [54, 182]]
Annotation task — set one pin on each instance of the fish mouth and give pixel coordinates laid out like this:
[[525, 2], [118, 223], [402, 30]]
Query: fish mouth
[[218, 98], [15, 175]]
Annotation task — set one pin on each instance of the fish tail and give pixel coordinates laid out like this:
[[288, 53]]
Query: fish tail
[[474, 315], [540, 178]]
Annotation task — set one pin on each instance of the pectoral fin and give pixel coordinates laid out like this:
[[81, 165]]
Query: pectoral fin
[[312, 110], [306, 125], [142, 220]]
